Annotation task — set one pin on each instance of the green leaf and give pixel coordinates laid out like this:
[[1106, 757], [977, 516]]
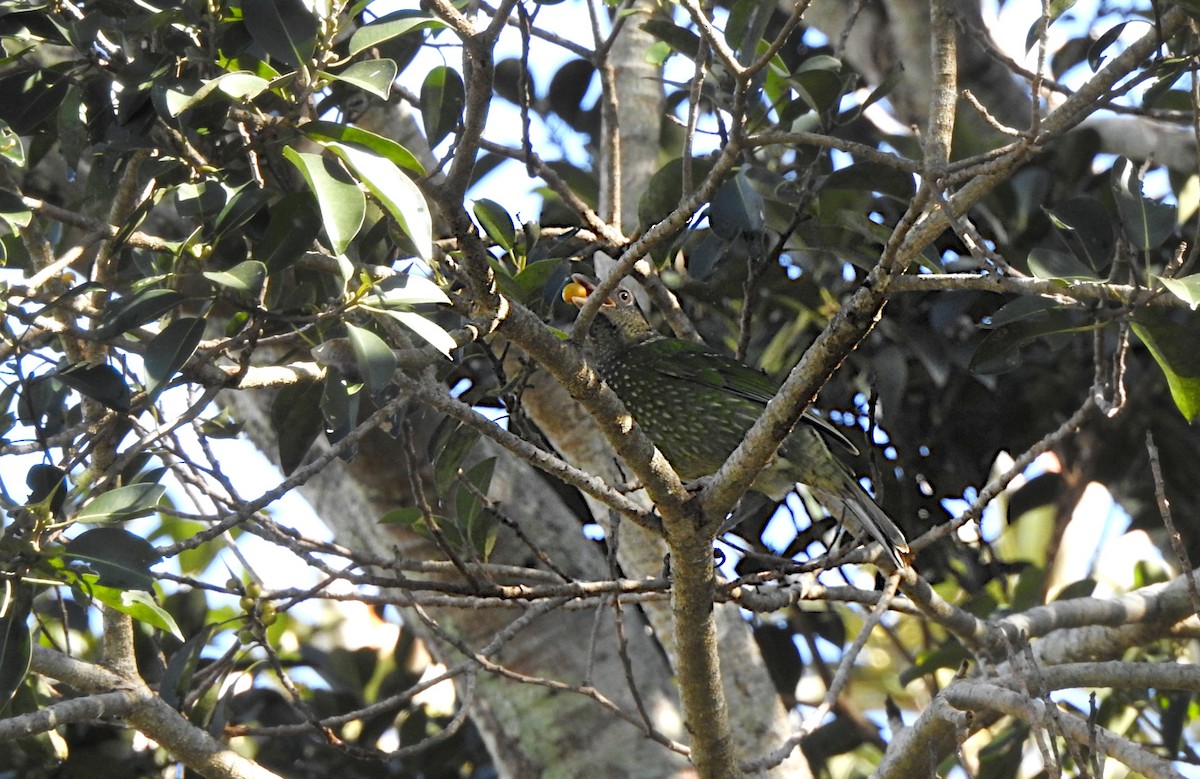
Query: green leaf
[[872, 177], [297, 420], [1147, 223], [475, 527], [171, 349], [10, 146], [286, 29], [432, 332], [385, 147], [16, 648], [376, 362], [1000, 350], [442, 99], [103, 383], [1172, 342], [1086, 227], [496, 222], [374, 76], [406, 290], [293, 226], [1050, 264], [407, 516], [398, 194], [247, 277], [121, 504], [240, 85], [679, 38], [120, 558], [737, 209], [1095, 53], [124, 314], [450, 444], [138, 604], [14, 211], [343, 205], [1186, 288], [391, 26]]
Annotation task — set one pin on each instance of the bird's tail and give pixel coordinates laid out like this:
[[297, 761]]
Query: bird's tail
[[850, 505]]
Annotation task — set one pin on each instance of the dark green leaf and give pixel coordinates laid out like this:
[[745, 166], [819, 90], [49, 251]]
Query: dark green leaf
[[103, 383], [665, 191], [820, 89], [293, 227], [449, 445], [1000, 350], [872, 177], [297, 421], [442, 99], [1056, 9], [477, 528], [736, 210], [14, 211], [1147, 223], [949, 655], [408, 516], [46, 483], [1172, 341], [343, 205], [678, 38], [496, 222], [286, 29], [1050, 264], [16, 649], [122, 503], [376, 362], [1085, 225], [339, 406], [29, 97], [1095, 55], [120, 558], [170, 350], [123, 314]]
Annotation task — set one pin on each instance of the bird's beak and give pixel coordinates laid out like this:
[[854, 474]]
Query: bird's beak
[[578, 289]]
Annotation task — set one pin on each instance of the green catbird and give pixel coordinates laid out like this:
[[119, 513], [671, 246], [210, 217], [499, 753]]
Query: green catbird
[[696, 406]]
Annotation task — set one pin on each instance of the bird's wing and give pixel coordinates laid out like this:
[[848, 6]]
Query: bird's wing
[[693, 362]]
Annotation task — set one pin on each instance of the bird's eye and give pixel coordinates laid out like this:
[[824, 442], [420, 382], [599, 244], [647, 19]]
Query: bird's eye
[[624, 296]]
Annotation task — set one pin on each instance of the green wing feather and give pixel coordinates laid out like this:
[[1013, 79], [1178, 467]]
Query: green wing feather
[[696, 363]]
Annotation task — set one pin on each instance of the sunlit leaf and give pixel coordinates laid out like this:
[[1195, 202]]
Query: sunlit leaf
[[374, 76], [391, 26], [399, 195], [386, 147], [247, 277], [122, 503], [343, 205], [376, 362], [1172, 342], [138, 604]]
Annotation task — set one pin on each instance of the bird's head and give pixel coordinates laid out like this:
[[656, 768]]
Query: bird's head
[[619, 320]]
